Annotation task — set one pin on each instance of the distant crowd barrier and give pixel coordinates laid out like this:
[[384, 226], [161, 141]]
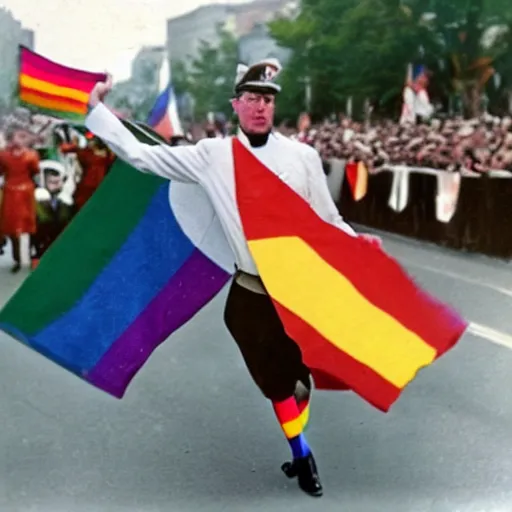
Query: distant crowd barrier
[[468, 212]]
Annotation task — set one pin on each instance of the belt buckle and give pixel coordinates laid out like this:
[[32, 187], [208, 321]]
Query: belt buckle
[[250, 282]]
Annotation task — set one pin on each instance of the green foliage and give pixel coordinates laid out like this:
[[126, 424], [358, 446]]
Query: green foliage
[[361, 49], [180, 78], [211, 77], [351, 48], [142, 110]]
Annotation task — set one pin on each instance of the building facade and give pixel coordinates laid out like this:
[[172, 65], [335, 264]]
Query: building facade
[[184, 34], [258, 45], [136, 95], [245, 21], [12, 34], [146, 65], [248, 24]]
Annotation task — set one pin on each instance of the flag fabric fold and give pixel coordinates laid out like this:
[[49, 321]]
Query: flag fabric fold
[[53, 88], [139, 261], [358, 318]]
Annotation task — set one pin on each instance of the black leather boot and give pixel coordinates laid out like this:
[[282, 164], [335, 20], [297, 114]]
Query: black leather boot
[[307, 474]]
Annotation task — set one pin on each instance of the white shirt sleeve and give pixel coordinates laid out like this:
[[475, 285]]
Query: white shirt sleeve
[[180, 163], [320, 198]]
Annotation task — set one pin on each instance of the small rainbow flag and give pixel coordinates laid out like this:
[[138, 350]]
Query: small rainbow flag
[[358, 318], [54, 89], [140, 260]]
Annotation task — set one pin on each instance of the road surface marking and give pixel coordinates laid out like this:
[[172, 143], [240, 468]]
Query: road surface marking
[[492, 335], [499, 289]]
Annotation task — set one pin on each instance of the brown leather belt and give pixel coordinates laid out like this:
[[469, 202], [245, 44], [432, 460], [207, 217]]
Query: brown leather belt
[[250, 282]]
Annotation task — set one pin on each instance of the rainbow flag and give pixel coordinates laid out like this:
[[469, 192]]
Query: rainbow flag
[[141, 259], [144, 256], [358, 318], [54, 89]]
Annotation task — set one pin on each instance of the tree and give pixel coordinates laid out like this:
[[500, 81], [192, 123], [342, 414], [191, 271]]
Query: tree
[[469, 61], [354, 48], [180, 78], [361, 49], [212, 74]]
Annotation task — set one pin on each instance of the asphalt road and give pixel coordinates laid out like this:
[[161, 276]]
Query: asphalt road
[[193, 433]]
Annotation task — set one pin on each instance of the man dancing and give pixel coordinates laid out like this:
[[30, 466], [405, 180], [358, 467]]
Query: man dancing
[[273, 359]]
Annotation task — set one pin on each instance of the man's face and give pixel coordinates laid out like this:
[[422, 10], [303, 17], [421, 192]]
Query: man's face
[[53, 183], [255, 112]]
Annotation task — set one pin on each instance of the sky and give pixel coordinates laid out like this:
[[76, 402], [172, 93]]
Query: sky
[[99, 35]]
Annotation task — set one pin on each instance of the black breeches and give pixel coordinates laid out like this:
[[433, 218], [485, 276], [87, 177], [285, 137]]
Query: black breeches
[[273, 359]]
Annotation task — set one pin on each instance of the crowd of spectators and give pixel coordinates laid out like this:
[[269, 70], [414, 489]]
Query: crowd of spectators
[[479, 145]]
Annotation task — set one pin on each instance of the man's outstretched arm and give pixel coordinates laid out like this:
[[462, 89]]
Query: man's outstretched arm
[[182, 163]]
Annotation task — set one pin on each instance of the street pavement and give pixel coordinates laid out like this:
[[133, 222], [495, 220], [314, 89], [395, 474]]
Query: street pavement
[[193, 434]]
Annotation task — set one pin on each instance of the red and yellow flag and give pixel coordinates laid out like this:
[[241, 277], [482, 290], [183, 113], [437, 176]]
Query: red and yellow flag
[[359, 319], [357, 177]]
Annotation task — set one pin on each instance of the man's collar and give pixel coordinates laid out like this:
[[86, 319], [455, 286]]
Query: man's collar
[[240, 135], [245, 140]]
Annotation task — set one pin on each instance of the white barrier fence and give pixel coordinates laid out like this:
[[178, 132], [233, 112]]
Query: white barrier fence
[[448, 185]]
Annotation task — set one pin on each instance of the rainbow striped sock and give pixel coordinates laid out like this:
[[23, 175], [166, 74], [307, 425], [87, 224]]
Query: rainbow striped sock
[[292, 423], [303, 407], [303, 394]]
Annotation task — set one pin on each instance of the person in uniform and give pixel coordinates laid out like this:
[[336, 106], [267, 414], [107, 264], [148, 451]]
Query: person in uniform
[[95, 161], [54, 212], [273, 359]]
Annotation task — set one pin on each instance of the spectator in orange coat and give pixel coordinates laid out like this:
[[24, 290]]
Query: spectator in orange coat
[[18, 165]]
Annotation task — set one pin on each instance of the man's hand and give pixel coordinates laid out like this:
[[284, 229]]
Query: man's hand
[[100, 91], [372, 239]]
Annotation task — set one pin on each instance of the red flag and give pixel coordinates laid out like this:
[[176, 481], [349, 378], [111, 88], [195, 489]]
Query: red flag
[[357, 177], [356, 315]]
